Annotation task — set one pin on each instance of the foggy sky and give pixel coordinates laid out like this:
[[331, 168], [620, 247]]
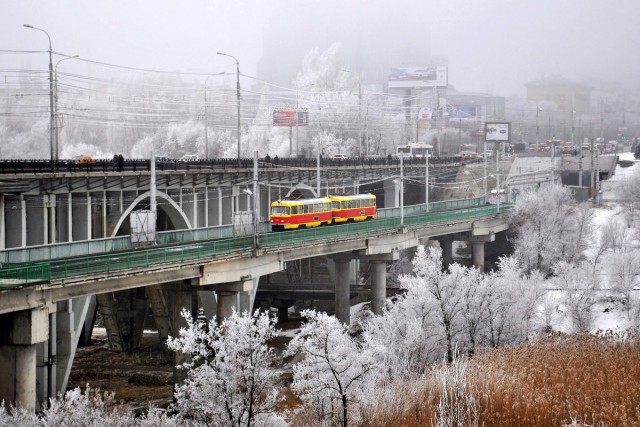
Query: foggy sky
[[491, 45]]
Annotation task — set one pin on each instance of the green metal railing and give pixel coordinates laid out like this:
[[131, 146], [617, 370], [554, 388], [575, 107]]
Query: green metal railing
[[17, 276], [44, 253]]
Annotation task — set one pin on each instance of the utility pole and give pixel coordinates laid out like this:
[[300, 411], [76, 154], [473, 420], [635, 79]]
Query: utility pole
[[54, 155], [206, 124], [591, 182], [237, 97]]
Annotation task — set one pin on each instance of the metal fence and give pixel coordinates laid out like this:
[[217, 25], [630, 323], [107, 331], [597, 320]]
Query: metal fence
[[18, 276]]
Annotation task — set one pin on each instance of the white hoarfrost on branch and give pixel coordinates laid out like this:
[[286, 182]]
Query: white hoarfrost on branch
[[232, 379], [335, 370]]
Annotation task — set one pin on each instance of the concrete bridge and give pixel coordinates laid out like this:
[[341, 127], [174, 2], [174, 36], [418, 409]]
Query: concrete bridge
[[48, 302]]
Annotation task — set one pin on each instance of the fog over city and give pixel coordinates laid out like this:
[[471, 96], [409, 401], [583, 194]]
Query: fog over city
[[492, 46]]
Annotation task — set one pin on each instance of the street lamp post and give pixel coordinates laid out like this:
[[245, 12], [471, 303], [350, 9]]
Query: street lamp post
[[51, 117], [426, 180], [538, 109], [56, 118], [237, 96], [401, 183]]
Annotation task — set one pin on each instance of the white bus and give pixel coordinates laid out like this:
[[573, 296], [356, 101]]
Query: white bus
[[414, 150]]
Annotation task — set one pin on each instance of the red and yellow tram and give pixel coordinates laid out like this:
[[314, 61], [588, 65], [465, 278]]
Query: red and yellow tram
[[358, 207], [295, 214]]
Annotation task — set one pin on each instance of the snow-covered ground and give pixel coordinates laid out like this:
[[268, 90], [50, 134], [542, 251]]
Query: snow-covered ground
[[609, 315]]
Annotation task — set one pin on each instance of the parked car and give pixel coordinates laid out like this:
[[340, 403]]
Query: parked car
[[188, 158], [338, 157]]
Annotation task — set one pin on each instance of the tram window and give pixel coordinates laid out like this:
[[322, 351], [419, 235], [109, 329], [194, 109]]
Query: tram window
[[279, 210]]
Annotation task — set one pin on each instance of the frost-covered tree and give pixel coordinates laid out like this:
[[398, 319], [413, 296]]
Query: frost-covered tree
[[232, 380], [548, 227], [90, 407], [334, 370], [628, 192], [623, 270], [446, 288], [578, 283]]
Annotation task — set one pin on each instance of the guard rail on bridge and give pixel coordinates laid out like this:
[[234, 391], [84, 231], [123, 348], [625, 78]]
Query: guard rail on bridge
[[144, 165], [112, 244], [19, 276]]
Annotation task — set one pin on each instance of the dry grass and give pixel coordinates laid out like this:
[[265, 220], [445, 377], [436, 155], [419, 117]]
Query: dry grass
[[592, 379]]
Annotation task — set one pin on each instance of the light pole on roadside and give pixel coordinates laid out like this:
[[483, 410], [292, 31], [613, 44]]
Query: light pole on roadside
[[237, 96], [538, 109], [51, 114], [56, 117], [401, 183]]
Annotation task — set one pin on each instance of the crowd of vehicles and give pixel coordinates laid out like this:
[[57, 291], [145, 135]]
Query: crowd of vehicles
[[307, 213]]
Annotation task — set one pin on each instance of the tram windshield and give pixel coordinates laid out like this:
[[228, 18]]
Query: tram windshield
[[279, 210]]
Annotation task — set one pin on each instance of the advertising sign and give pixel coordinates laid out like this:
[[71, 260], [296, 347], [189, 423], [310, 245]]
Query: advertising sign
[[417, 77], [296, 117], [424, 113], [498, 131], [464, 112]]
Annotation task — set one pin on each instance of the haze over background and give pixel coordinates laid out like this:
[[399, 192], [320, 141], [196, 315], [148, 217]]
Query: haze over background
[[491, 45]]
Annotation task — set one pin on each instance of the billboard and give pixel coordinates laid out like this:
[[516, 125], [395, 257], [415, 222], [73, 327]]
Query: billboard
[[498, 131], [464, 112], [291, 117], [417, 77]]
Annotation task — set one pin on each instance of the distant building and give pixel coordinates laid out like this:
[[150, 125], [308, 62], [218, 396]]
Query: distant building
[[567, 95]]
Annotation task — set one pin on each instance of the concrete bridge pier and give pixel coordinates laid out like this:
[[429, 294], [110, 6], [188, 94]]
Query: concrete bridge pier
[[123, 313], [69, 322], [342, 290], [477, 243], [378, 286], [236, 296], [180, 297], [19, 333], [446, 244]]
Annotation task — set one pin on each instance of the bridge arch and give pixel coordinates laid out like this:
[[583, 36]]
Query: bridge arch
[[175, 213], [302, 187]]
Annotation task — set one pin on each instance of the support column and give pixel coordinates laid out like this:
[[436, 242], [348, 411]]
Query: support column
[[342, 291], [3, 224], [69, 218], [179, 299], [19, 334], [447, 252], [160, 310], [478, 255], [219, 206], [226, 304], [69, 321], [379, 286], [206, 206], [23, 220], [194, 196], [478, 248], [209, 304], [89, 230]]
